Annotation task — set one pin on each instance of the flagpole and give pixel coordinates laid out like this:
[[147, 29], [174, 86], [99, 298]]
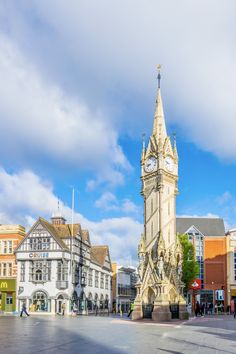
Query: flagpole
[[72, 228]]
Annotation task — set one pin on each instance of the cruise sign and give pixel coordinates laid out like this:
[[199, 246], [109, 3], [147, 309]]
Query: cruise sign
[[38, 255]]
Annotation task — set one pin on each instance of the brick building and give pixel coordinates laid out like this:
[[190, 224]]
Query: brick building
[[209, 240], [10, 237]]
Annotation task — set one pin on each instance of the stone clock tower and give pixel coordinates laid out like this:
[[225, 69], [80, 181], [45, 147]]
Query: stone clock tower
[[160, 289]]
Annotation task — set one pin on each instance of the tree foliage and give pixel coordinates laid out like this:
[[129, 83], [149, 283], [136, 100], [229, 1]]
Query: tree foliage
[[190, 267]]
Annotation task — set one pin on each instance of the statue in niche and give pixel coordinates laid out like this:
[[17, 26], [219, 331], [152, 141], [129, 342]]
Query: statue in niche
[[160, 268], [179, 270], [142, 265]]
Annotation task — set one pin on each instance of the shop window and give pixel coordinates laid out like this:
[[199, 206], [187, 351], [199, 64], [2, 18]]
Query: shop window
[[39, 302], [9, 299]]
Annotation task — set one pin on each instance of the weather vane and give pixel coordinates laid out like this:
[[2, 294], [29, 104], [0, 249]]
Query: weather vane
[[159, 75]]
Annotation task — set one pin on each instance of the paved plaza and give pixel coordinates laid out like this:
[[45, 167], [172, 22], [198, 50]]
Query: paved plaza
[[114, 335]]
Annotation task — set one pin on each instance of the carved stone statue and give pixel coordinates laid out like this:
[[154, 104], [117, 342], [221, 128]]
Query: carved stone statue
[[160, 268], [179, 270]]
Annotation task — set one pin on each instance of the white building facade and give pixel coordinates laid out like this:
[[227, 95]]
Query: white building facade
[[58, 266]]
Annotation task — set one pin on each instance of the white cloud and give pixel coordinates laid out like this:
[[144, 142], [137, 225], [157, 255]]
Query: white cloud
[[24, 197], [39, 118], [130, 207], [224, 198], [195, 40], [208, 215], [108, 201]]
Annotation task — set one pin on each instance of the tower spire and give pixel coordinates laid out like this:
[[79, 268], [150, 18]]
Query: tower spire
[[159, 126]]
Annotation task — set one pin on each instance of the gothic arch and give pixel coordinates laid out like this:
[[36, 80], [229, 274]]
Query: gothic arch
[[173, 297], [149, 295]]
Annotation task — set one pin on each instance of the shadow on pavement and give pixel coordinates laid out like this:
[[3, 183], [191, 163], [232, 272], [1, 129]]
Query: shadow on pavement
[[43, 336]]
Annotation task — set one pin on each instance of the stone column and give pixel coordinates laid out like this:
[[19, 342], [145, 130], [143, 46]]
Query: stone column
[[137, 313]]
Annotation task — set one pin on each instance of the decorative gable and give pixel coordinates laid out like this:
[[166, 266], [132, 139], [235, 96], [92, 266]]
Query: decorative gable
[[168, 147]]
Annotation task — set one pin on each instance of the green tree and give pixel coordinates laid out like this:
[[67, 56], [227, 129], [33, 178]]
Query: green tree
[[190, 267]]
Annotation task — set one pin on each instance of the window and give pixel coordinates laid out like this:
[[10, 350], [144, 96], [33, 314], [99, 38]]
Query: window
[[96, 279], [9, 270], [38, 275], [62, 271], [106, 282], [90, 277], [102, 281], [9, 243], [6, 246], [40, 271], [5, 269], [39, 243], [22, 271]]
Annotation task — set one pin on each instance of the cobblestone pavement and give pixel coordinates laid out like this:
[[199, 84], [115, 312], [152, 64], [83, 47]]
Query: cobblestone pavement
[[114, 335]]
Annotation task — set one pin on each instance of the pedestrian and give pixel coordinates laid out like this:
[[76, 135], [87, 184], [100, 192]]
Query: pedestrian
[[197, 309], [131, 309], [23, 310], [63, 308], [206, 308], [74, 309], [211, 308], [202, 309]]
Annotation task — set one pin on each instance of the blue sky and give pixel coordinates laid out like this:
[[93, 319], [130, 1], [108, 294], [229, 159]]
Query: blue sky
[[77, 91]]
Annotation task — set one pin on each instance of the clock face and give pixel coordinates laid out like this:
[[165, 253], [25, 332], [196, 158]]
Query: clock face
[[169, 164], [150, 164]]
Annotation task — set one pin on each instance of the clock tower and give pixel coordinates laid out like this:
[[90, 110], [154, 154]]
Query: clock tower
[[160, 289]]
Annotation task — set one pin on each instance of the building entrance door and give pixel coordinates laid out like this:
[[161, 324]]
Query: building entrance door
[[59, 303], [9, 302], [0, 301]]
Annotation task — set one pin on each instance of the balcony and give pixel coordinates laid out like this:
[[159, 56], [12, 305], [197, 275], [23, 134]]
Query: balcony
[[61, 284]]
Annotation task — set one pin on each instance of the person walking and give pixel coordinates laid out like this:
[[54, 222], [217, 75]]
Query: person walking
[[197, 309], [23, 310], [131, 309], [63, 307]]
